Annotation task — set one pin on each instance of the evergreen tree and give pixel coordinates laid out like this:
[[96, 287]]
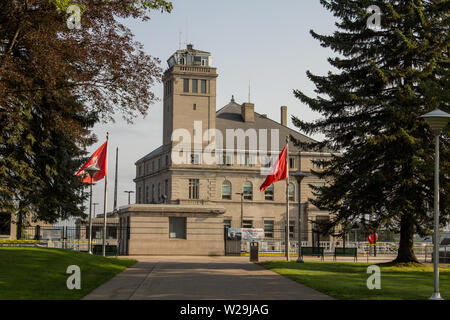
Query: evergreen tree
[[387, 78]]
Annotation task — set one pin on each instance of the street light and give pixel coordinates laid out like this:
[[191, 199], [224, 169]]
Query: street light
[[437, 120], [129, 193], [242, 194], [91, 170], [299, 176]]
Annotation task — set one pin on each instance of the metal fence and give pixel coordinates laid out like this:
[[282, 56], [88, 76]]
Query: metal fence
[[76, 238], [65, 237]]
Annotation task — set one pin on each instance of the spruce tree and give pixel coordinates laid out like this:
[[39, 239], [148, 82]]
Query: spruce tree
[[387, 77]]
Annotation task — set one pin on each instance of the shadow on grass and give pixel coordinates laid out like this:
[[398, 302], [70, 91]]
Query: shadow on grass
[[347, 280], [38, 273]]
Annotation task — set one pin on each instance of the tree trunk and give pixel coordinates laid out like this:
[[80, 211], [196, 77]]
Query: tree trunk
[[405, 251]]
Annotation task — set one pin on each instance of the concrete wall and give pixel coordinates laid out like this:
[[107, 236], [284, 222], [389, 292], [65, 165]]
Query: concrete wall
[[149, 230]]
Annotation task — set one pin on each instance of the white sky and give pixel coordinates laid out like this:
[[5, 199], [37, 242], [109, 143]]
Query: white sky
[[265, 42]]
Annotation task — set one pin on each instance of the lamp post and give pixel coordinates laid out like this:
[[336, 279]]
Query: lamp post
[[299, 176], [437, 120], [242, 194], [129, 193], [91, 170]]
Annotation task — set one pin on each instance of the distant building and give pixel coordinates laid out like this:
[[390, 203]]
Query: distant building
[[190, 106]]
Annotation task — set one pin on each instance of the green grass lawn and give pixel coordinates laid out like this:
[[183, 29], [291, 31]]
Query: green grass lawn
[[346, 280], [38, 273]]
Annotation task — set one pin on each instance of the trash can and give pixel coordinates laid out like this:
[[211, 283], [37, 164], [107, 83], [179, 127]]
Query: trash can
[[254, 251]]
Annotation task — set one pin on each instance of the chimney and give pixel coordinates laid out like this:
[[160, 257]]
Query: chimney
[[284, 116], [248, 112], [190, 46]]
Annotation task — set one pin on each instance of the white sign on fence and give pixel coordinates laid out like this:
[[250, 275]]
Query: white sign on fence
[[49, 234]]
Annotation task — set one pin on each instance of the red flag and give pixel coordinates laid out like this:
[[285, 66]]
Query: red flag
[[279, 171], [98, 159]]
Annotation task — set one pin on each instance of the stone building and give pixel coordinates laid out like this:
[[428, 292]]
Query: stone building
[[170, 175]]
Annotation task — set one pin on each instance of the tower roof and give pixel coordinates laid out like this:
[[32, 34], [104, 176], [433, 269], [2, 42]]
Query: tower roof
[[191, 57]]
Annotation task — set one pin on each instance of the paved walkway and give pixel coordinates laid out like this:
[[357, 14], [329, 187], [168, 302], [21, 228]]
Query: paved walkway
[[197, 278]]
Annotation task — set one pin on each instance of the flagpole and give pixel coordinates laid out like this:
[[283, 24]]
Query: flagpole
[[115, 181], [287, 200], [104, 197]]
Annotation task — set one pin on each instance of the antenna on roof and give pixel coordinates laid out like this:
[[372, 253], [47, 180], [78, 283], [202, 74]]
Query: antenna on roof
[[179, 40], [187, 31], [249, 91]]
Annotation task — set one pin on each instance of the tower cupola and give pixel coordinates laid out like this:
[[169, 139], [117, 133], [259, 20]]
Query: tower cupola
[[190, 57]]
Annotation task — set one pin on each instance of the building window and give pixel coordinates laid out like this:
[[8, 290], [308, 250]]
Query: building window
[[319, 185], [195, 106], [168, 88], [203, 84], [5, 223], [248, 224], [291, 229], [153, 193], [147, 194], [193, 188], [227, 160], [166, 188], [268, 228], [177, 228], [267, 162], [185, 85], [291, 163], [291, 191], [248, 190], [268, 194], [227, 223], [159, 191], [139, 195], [226, 190], [153, 166], [195, 159], [195, 86], [159, 163], [249, 160]]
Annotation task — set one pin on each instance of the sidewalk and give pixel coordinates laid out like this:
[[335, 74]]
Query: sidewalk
[[197, 278]]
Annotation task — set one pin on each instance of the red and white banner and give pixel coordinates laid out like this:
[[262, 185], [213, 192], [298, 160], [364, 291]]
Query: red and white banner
[[98, 159], [279, 170]]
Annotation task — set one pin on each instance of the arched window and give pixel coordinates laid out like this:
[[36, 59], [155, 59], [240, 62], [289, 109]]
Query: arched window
[[291, 191], [226, 190], [248, 190], [268, 194]]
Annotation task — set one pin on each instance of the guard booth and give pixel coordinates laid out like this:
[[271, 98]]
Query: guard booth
[[239, 240], [232, 240], [254, 251]]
